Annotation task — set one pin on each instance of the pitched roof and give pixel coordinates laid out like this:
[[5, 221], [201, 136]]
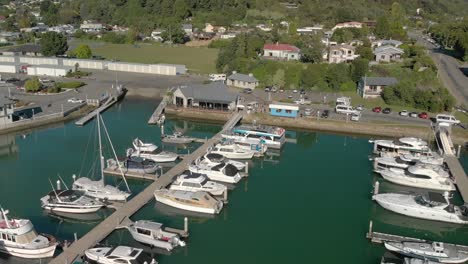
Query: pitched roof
[[242, 77], [392, 42], [388, 49], [284, 47], [213, 92], [385, 81]]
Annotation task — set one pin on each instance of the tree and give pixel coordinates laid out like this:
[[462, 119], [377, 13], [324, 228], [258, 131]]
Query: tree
[[336, 75], [53, 44], [174, 33], [278, 78], [360, 66], [312, 51], [365, 52], [33, 85], [382, 29], [83, 52]]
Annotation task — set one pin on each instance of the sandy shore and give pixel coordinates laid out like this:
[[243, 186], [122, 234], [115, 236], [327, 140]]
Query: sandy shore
[[460, 136]]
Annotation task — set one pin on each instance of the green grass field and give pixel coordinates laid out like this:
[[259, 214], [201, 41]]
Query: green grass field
[[197, 59]]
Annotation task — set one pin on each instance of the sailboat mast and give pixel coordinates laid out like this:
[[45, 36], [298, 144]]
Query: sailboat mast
[[115, 155], [100, 148]]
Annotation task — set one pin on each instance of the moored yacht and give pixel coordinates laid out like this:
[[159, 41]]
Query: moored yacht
[[386, 162], [420, 176], [69, 201], [193, 182], [19, 238], [257, 145], [153, 234], [433, 206], [222, 172], [200, 202], [134, 164], [401, 146], [146, 147], [213, 159], [119, 255], [424, 157], [232, 151], [435, 251], [274, 137], [393, 258], [177, 138]]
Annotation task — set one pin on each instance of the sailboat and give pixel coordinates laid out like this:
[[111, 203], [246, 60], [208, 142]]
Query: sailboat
[[98, 189]]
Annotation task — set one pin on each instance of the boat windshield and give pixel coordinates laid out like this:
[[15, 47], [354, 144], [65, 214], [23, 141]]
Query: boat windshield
[[143, 258], [204, 181], [423, 200]]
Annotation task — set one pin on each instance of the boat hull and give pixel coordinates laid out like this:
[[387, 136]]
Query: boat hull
[[159, 158], [186, 207], [72, 210], [399, 250], [246, 155], [217, 191], [46, 252], [417, 182]]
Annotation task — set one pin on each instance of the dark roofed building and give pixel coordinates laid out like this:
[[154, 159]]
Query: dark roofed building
[[24, 50], [242, 80], [372, 87], [206, 96]]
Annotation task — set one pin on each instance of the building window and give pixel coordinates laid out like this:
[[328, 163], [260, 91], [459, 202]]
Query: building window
[[373, 88], [382, 57], [278, 110], [288, 111]]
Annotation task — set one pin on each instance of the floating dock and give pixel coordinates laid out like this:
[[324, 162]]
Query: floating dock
[[130, 175], [108, 103], [160, 109], [120, 216]]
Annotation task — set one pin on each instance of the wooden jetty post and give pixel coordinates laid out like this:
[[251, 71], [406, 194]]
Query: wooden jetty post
[[186, 225], [376, 188], [247, 168]]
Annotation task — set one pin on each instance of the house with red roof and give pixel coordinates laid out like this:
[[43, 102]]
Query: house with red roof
[[281, 52]]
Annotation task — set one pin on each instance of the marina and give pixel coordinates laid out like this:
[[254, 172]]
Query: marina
[[250, 198]]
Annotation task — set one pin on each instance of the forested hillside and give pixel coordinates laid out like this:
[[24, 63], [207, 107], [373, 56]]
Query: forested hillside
[[145, 15]]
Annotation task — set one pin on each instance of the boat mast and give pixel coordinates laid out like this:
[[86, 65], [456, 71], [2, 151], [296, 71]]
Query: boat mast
[[115, 155], [4, 215], [100, 149]]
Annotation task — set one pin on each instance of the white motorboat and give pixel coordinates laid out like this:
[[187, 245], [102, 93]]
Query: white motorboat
[[177, 138], [435, 251], [98, 189], [257, 145], [143, 147], [200, 202], [134, 164], [213, 159], [69, 201], [119, 255], [156, 155], [420, 176], [393, 258], [386, 162], [193, 182], [433, 206], [153, 234], [19, 238], [232, 151], [274, 137], [430, 157], [401, 146], [222, 172]]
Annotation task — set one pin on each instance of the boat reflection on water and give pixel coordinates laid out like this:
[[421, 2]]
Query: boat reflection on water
[[8, 145], [89, 218], [171, 211], [116, 238], [4, 258]]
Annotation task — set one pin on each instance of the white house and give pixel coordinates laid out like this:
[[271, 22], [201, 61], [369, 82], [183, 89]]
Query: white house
[[281, 51], [309, 30], [91, 27], [341, 53], [351, 24], [387, 53], [6, 111]]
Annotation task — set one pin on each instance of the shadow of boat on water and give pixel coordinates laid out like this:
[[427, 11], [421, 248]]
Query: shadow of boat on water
[[172, 211]]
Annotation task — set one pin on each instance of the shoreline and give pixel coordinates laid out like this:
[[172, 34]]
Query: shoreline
[[332, 126]]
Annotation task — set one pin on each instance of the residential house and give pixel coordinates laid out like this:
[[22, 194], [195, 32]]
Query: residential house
[[281, 51], [264, 27], [351, 24], [284, 110], [204, 35], [156, 34], [209, 28], [384, 42], [214, 96], [370, 23], [228, 35], [91, 27], [372, 87], [6, 111], [188, 29], [387, 53], [24, 50], [309, 30], [342, 53], [242, 80]]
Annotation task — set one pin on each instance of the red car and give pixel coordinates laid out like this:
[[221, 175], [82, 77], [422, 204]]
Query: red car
[[423, 115], [377, 109]]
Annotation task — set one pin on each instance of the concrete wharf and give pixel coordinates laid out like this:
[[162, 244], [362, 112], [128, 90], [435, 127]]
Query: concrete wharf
[[155, 117], [447, 149], [108, 225], [108, 103]]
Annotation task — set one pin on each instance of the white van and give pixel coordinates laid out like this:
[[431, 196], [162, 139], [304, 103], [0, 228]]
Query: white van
[[343, 101], [345, 109], [450, 119], [217, 77]]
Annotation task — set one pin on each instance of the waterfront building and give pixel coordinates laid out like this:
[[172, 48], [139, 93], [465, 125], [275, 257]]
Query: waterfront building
[[372, 87], [240, 80], [214, 96], [284, 110], [6, 111]]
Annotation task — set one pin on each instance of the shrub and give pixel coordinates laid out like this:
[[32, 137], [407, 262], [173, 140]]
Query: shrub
[[33, 85]]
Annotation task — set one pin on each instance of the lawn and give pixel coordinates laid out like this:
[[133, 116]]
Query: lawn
[[197, 59], [356, 99]]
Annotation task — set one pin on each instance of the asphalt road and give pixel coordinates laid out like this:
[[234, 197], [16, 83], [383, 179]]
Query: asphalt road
[[450, 71]]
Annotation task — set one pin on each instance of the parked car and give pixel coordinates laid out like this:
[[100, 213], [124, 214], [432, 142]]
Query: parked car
[[356, 116], [12, 80], [273, 89], [247, 90], [308, 112], [267, 89], [325, 113], [449, 119], [281, 90], [403, 113], [302, 91], [377, 109], [75, 101], [423, 115], [413, 114], [360, 107], [387, 110], [294, 91]]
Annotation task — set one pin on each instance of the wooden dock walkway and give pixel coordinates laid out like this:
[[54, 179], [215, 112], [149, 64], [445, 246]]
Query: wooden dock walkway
[[130, 175], [108, 103], [108, 225], [160, 109]]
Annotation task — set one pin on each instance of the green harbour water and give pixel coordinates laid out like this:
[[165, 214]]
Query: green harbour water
[[310, 204]]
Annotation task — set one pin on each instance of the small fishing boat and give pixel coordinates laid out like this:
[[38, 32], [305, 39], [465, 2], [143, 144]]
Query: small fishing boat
[[177, 138], [119, 255], [213, 159], [200, 202], [193, 182], [141, 146], [69, 201], [435, 251], [393, 258], [134, 165], [157, 155], [19, 238], [232, 151], [153, 234]]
